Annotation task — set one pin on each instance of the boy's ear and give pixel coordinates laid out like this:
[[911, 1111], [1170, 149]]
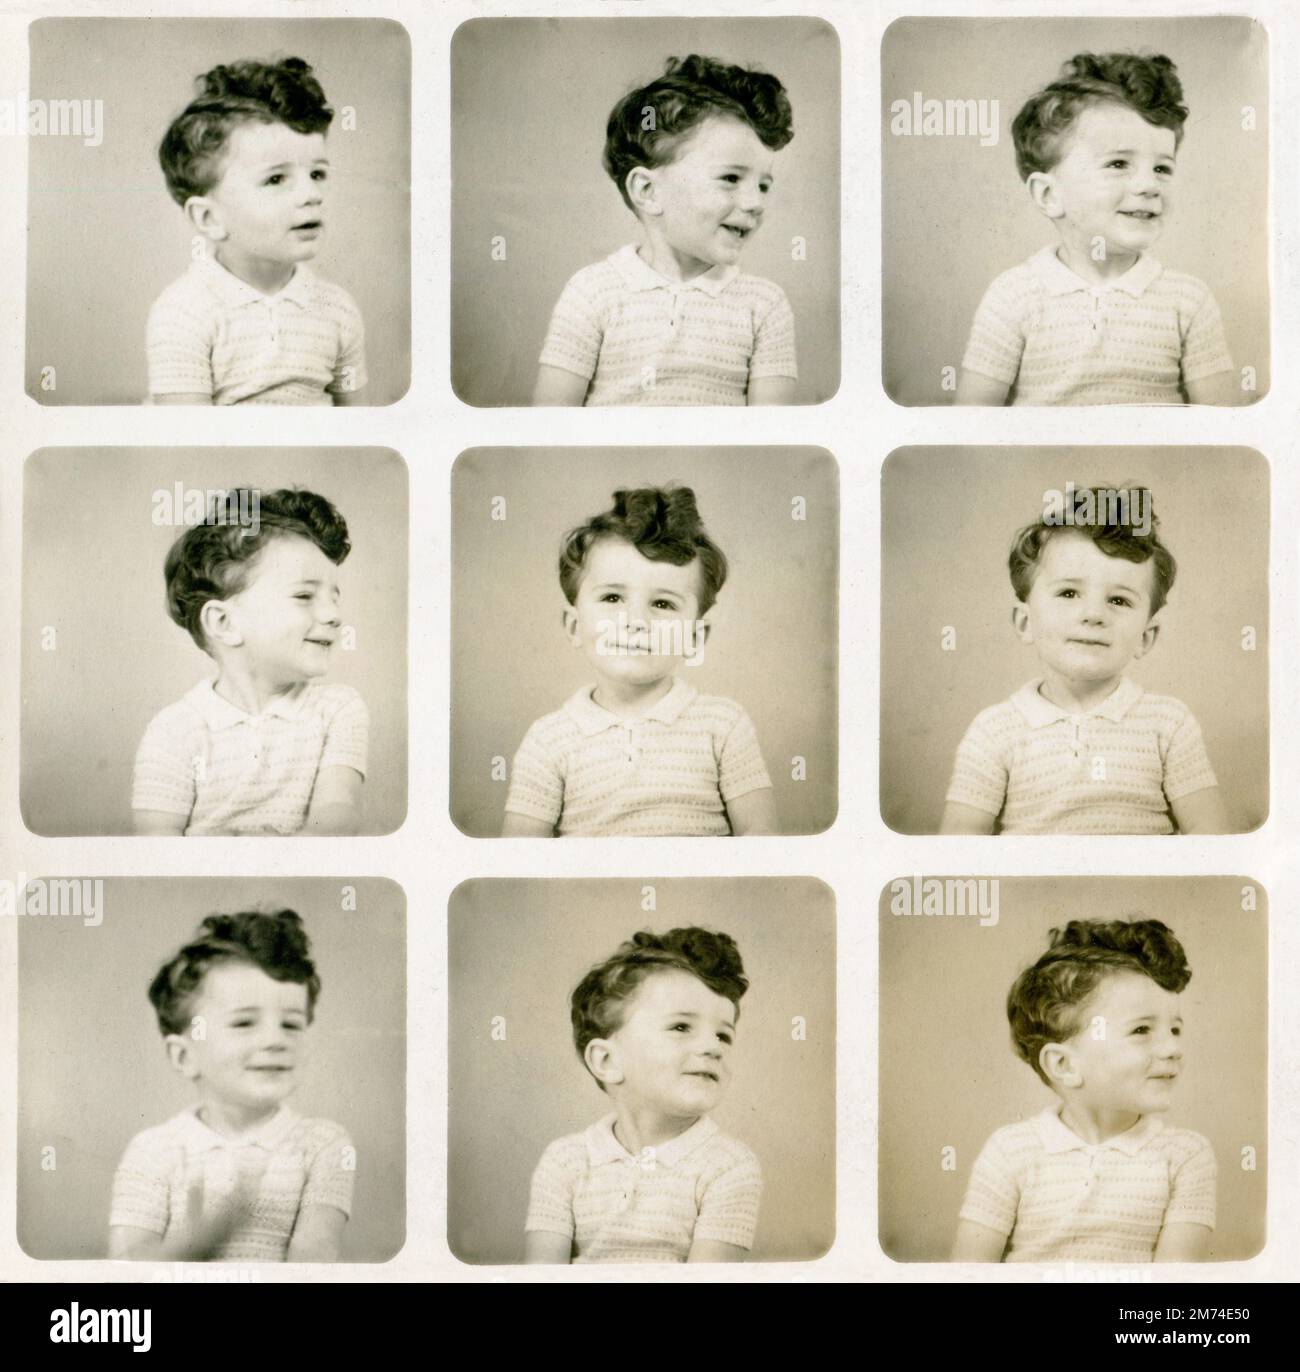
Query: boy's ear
[[179, 1055], [1042, 191], [700, 631], [206, 218], [1020, 622], [602, 1062], [1149, 636], [642, 191], [570, 621], [218, 626], [1058, 1066]]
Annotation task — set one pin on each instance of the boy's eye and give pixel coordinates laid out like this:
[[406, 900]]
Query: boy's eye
[[320, 174], [1164, 169], [664, 605], [1118, 162], [1121, 600], [610, 597], [726, 1038], [274, 179], [1067, 592], [732, 177], [682, 1025]]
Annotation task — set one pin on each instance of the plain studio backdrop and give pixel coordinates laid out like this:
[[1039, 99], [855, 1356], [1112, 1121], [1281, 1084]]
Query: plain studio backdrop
[[101, 655], [516, 950], [105, 237], [949, 517], [93, 1068], [773, 648], [531, 202], [949, 1076], [955, 215]]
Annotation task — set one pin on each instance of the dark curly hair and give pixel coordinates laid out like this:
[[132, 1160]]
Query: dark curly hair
[[663, 524], [1044, 1004], [1115, 538], [597, 1003], [690, 90], [1149, 86], [276, 942], [212, 560], [283, 92]]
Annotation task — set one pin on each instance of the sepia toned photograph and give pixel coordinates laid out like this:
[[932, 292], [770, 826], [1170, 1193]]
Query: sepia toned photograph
[[211, 1070], [1074, 1071], [230, 658], [641, 1071], [1074, 641]]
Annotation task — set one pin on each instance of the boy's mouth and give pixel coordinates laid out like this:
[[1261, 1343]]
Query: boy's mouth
[[708, 1076], [320, 642], [1140, 214], [308, 226], [738, 231], [1091, 642]]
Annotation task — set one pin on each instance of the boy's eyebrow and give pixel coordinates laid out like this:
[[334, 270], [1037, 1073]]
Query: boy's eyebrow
[[622, 586], [1113, 585], [277, 166], [743, 166], [691, 1014]]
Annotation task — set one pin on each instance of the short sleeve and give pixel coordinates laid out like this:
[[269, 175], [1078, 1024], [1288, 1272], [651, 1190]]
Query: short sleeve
[[997, 336], [331, 1173], [536, 781], [993, 1193], [347, 736], [178, 343], [574, 338], [550, 1197], [729, 1207], [740, 763], [774, 352], [141, 1189], [1187, 765], [1205, 349], [979, 771], [167, 762], [1192, 1187], [350, 369]]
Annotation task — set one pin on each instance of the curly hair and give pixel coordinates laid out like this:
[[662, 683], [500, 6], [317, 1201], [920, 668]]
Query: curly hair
[[1045, 1003], [1149, 86], [283, 92], [213, 560], [275, 942], [1116, 537], [661, 523], [690, 90], [598, 1001]]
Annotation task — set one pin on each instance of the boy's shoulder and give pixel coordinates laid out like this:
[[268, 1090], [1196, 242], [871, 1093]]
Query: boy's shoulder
[[580, 716], [208, 288], [713, 1152], [623, 271], [183, 1132], [1025, 708], [1023, 1142], [1043, 274]]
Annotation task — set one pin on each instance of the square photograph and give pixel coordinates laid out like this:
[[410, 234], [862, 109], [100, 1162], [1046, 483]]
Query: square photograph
[[1074, 641], [617, 1051], [261, 690], [644, 642], [1075, 211], [645, 211], [221, 214]]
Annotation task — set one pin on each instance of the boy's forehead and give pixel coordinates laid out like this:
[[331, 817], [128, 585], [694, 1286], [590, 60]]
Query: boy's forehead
[[616, 562], [235, 983], [290, 557], [676, 991], [1108, 126], [726, 140], [1072, 554], [1130, 994], [253, 144]]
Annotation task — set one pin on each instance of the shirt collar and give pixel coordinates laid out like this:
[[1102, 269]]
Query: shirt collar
[[603, 1147], [203, 1138], [1058, 279], [1038, 711], [639, 275], [1057, 1136], [594, 719], [231, 291], [219, 713]]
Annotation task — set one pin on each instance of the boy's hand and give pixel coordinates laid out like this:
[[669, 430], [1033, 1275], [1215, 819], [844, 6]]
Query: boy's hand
[[208, 1224]]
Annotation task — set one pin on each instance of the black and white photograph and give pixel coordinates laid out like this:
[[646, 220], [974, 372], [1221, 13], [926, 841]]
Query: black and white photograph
[[230, 657], [608, 176], [224, 218], [211, 1070], [644, 642], [1074, 1071], [1075, 211], [641, 1071], [1074, 641]]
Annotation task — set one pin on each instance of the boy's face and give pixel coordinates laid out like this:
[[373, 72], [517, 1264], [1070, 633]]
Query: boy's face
[[635, 619], [1128, 1052], [287, 617], [1087, 613], [671, 1051], [268, 205], [252, 1028], [709, 200], [1112, 181]]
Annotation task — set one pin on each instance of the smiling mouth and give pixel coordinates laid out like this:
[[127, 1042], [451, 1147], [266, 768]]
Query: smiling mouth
[[708, 1076], [739, 232], [320, 642], [1140, 214]]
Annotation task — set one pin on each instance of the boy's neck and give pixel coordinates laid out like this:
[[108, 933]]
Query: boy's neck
[[631, 700], [230, 1121], [1094, 1123], [1082, 263], [240, 687], [639, 1127], [260, 273], [667, 261], [1078, 697]]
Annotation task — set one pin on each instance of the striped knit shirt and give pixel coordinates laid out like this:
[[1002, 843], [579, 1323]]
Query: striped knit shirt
[[1137, 340], [1059, 1199], [212, 334], [287, 1164], [1114, 769], [670, 771], [230, 772], [642, 339], [620, 1208]]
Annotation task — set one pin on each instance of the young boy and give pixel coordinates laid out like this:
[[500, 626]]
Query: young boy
[[1082, 749], [1097, 1177], [640, 753], [1093, 319], [262, 749], [250, 321], [656, 1181], [241, 1177], [674, 321]]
